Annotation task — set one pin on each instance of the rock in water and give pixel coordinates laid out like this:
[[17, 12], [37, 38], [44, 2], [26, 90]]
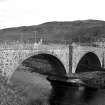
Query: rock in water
[[94, 79]]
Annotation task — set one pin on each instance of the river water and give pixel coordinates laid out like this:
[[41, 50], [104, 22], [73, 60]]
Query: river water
[[63, 94], [57, 93]]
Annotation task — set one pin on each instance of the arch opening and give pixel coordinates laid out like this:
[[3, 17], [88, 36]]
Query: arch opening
[[29, 74], [89, 62], [45, 64]]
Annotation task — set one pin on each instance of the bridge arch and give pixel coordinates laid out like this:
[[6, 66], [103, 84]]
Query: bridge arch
[[45, 63], [89, 62]]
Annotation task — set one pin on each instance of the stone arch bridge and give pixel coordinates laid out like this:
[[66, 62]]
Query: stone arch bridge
[[65, 58]]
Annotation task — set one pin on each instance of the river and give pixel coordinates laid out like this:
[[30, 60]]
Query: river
[[76, 95], [57, 93]]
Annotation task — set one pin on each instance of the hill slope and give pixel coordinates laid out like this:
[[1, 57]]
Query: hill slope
[[83, 31]]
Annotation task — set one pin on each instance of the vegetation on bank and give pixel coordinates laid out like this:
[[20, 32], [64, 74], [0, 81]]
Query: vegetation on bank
[[14, 95], [7, 94]]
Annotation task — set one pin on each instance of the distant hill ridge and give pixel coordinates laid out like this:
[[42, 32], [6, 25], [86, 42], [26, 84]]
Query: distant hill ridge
[[57, 32]]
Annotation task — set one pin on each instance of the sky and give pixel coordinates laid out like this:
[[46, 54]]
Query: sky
[[14, 13]]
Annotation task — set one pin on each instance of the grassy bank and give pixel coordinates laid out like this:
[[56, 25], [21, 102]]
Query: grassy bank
[[21, 93]]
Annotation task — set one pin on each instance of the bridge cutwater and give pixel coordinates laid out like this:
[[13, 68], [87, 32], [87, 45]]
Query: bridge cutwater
[[65, 58]]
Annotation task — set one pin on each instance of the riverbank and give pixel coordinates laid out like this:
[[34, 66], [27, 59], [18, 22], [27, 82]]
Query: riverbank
[[17, 92]]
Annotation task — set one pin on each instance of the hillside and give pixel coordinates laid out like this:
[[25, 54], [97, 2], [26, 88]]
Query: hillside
[[78, 31]]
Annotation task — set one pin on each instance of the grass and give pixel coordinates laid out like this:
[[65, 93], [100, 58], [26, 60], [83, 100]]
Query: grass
[[32, 87], [8, 96], [20, 93]]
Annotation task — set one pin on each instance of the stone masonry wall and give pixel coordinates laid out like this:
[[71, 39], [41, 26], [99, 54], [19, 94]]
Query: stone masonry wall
[[12, 55]]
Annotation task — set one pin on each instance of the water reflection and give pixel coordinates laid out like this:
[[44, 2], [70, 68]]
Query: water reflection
[[68, 94]]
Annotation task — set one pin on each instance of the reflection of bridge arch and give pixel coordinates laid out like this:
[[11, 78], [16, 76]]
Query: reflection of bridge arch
[[45, 63], [88, 62]]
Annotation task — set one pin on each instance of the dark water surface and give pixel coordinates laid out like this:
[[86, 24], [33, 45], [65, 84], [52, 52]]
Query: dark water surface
[[76, 95], [56, 93]]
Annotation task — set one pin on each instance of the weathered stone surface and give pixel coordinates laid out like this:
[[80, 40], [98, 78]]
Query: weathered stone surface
[[11, 56]]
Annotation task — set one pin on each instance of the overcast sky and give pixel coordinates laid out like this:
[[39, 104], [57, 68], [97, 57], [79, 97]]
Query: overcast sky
[[15, 13]]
